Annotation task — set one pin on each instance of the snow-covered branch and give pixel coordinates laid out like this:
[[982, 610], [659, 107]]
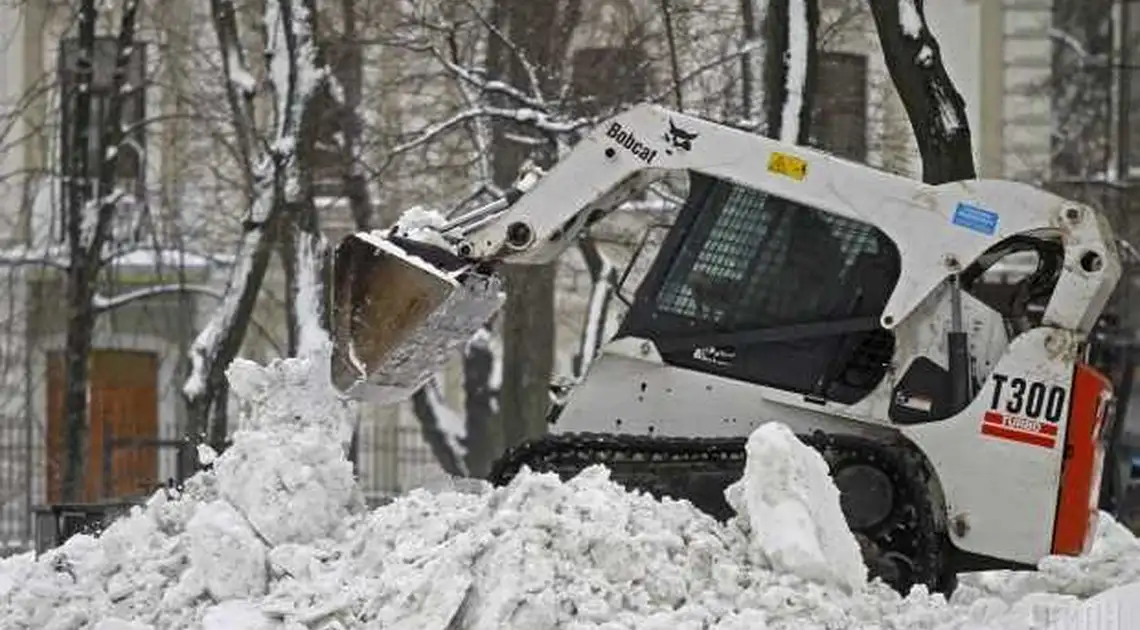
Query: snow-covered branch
[[54, 257], [523, 60], [104, 304], [546, 123], [96, 215], [291, 60], [238, 83], [486, 87], [237, 304]]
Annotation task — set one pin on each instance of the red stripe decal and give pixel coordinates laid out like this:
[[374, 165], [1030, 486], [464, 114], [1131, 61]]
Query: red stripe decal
[[1005, 433], [1021, 424]]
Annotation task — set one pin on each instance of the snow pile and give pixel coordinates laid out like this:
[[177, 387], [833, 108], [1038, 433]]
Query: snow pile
[[1113, 560], [274, 538], [1120, 605], [286, 471], [792, 508], [283, 483]]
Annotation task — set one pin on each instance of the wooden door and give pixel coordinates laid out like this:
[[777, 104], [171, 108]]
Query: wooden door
[[123, 406]]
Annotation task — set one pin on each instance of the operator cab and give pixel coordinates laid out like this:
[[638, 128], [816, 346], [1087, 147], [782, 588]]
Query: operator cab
[[759, 288], [756, 287]]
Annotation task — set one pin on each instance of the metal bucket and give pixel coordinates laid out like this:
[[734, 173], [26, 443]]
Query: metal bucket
[[400, 310]]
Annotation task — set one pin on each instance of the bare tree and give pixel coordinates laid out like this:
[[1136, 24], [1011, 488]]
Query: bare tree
[[272, 184], [84, 126], [91, 207]]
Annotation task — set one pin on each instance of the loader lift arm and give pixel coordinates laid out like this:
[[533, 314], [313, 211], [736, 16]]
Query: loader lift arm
[[631, 151], [938, 230]]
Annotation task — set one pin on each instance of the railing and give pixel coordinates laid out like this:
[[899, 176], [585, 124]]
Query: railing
[[111, 444], [54, 524]]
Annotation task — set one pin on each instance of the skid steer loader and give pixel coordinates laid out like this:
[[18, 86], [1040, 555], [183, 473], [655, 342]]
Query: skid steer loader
[[796, 287]]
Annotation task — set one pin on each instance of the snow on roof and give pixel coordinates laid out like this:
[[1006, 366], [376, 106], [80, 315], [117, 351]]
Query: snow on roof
[[167, 258], [149, 258]]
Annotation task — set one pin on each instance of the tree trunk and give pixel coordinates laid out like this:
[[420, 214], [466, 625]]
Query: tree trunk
[[936, 110], [790, 68], [87, 231], [482, 375], [287, 253], [752, 63], [352, 82], [78, 291], [218, 343], [78, 346], [528, 350], [540, 32]]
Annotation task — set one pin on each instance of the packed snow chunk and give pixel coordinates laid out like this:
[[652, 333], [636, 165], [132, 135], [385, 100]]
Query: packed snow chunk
[[422, 225], [273, 538], [303, 489], [541, 554], [287, 470], [237, 614], [206, 455], [226, 557], [290, 394], [791, 507]]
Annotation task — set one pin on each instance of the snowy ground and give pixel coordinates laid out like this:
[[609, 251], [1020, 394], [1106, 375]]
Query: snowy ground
[[276, 537]]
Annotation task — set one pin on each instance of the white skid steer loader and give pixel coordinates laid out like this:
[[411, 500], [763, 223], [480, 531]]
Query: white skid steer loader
[[796, 287]]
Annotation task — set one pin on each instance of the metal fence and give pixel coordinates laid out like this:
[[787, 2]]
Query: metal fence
[[391, 458], [391, 455], [16, 485]]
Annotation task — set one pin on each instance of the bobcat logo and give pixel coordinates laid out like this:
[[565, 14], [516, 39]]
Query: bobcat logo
[[678, 138]]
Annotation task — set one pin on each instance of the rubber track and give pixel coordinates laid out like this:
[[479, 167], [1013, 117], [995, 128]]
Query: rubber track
[[676, 467]]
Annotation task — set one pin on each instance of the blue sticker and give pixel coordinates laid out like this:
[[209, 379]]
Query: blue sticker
[[976, 219]]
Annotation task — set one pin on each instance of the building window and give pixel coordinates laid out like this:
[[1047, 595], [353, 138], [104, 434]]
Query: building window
[[606, 78], [130, 167], [839, 112]]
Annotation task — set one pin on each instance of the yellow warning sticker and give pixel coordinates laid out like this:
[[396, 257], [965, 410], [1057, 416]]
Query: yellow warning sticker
[[787, 165]]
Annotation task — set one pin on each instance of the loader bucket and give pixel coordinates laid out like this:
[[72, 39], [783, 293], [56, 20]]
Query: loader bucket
[[400, 308]]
